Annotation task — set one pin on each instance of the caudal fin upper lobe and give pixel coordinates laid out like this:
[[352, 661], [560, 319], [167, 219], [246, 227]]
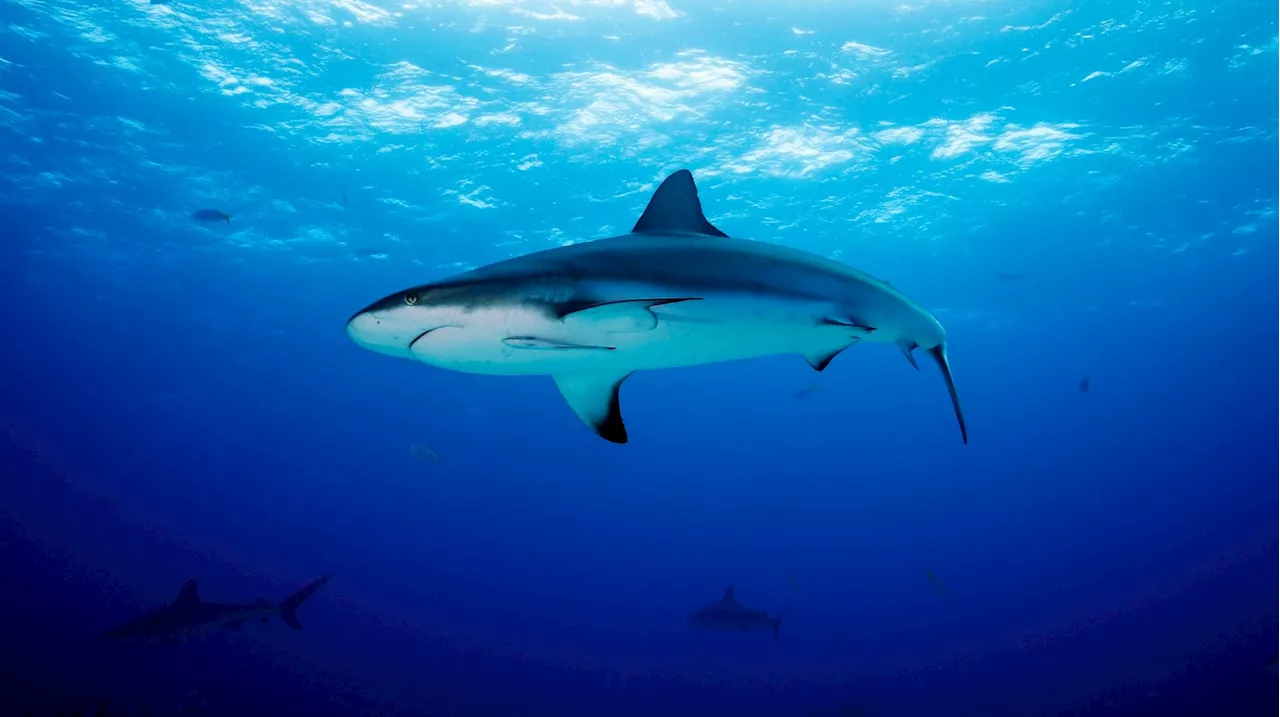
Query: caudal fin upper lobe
[[289, 607]]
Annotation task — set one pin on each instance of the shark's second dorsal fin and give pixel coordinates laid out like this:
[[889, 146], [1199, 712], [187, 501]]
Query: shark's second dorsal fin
[[728, 595], [187, 595], [675, 208]]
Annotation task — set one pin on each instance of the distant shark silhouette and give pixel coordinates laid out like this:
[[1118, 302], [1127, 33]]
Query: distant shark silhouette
[[189, 616], [727, 614]]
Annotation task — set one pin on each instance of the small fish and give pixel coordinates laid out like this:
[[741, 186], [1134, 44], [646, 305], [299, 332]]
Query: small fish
[[935, 582], [211, 215], [804, 392], [423, 452], [344, 199], [1084, 385]]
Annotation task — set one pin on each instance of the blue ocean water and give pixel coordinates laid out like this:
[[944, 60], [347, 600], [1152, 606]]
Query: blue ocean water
[[1085, 195]]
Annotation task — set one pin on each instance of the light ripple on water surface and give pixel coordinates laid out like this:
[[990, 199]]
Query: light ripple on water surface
[[838, 139]]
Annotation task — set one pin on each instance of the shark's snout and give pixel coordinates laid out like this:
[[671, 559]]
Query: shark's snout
[[378, 331]]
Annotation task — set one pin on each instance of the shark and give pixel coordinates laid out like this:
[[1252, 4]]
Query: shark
[[189, 617], [727, 614], [675, 291]]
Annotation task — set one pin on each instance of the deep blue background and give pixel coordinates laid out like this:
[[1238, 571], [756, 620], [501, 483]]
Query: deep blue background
[[180, 400]]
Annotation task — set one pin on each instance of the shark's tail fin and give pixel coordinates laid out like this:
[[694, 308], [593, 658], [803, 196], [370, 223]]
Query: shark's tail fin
[[939, 354], [289, 608], [776, 623]]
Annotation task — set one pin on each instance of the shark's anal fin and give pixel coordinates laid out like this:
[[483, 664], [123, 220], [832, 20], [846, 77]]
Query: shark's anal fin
[[594, 398], [728, 595], [675, 208], [187, 595], [632, 315], [907, 347]]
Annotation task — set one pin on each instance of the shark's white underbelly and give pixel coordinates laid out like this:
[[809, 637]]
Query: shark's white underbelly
[[708, 330]]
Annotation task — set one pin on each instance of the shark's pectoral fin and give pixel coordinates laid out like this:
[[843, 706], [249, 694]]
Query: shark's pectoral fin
[[939, 354], [533, 342], [628, 316], [594, 397], [675, 207], [820, 358]]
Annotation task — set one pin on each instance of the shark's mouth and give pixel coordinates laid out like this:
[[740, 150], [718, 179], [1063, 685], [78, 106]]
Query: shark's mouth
[[424, 333]]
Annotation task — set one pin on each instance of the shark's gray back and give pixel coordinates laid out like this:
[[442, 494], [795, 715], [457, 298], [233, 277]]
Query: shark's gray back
[[690, 262]]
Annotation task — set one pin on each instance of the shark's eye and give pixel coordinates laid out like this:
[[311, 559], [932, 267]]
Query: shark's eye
[[411, 298]]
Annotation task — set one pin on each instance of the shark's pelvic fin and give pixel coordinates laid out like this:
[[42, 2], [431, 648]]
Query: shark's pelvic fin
[[533, 342], [821, 358], [187, 595], [675, 208], [939, 354], [594, 397], [728, 594], [632, 315]]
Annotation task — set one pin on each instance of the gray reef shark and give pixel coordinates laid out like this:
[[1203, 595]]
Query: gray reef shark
[[676, 291], [727, 614], [188, 616]]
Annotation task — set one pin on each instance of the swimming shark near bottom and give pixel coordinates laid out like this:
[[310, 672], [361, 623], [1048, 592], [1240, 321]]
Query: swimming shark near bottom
[[676, 291], [727, 614], [188, 616]]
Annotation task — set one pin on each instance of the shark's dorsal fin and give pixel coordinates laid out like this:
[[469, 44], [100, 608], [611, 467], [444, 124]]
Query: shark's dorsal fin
[[674, 208], [187, 595], [728, 595]]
